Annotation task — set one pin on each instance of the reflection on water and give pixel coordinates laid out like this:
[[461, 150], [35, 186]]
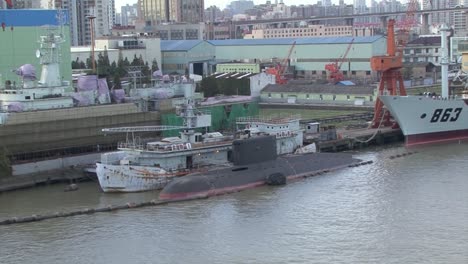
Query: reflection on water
[[407, 210]]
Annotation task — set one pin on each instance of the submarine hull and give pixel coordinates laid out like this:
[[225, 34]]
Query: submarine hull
[[241, 177]]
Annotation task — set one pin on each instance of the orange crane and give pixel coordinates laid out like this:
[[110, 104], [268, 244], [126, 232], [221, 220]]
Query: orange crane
[[390, 65], [391, 80], [280, 68], [335, 68]]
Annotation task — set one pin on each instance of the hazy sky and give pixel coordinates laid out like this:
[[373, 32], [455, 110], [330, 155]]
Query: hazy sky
[[223, 3]]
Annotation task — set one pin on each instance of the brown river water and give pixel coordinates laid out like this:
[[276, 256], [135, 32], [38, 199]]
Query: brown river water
[[412, 209]]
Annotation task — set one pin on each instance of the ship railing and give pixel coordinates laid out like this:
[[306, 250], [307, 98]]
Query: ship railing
[[129, 145], [268, 119], [167, 148]]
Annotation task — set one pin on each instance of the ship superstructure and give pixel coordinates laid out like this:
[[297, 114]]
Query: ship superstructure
[[49, 91], [140, 165]]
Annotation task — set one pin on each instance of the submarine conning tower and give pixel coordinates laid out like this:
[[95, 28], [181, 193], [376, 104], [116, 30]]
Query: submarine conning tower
[[253, 150]]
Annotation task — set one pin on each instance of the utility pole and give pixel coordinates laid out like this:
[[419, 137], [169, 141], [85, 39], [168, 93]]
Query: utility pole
[[91, 21]]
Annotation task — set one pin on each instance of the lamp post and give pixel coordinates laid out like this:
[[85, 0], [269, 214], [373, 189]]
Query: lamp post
[[91, 22]]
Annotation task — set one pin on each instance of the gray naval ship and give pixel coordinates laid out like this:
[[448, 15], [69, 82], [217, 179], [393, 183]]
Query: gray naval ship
[[255, 162]]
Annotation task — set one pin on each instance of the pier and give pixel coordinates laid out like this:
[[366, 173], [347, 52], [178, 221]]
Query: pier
[[360, 138]]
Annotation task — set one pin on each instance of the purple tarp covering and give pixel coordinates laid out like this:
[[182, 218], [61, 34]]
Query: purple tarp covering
[[163, 93], [103, 88], [27, 71], [80, 100], [87, 83], [157, 74], [15, 107], [118, 95]]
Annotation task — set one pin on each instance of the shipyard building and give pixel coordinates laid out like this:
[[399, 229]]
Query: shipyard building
[[308, 57]]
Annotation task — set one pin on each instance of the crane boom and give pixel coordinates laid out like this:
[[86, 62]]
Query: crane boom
[[345, 54], [335, 67], [285, 61]]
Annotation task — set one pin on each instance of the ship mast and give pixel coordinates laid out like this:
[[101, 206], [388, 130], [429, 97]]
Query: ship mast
[[444, 61], [50, 58]]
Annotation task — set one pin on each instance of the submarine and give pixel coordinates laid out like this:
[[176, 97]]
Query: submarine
[[254, 162]]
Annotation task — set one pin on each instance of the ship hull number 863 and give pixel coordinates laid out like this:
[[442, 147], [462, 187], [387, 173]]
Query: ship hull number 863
[[445, 115]]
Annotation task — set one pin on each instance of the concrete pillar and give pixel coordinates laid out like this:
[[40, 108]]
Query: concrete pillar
[[425, 23], [191, 68], [383, 20]]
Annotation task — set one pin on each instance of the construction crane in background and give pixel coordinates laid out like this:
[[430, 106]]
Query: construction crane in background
[[391, 79], [280, 68], [334, 69], [406, 24]]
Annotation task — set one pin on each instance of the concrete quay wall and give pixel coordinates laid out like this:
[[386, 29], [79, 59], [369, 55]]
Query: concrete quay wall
[[68, 128], [54, 164]]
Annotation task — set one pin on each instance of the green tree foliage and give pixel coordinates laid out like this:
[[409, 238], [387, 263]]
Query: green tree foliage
[[103, 66], [77, 64], [89, 64], [118, 71], [154, 66]]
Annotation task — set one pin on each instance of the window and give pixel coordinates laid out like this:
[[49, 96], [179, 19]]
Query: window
[[353, 72], [321, 97], [307, 96], [348, 97], [282, 96], [368, 72], [269, 95]]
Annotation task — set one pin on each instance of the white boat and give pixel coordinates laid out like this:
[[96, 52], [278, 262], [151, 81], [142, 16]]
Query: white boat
[[146, 166]]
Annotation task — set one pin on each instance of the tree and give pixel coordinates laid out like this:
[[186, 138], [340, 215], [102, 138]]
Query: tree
[[117, 84], [76, 63], [136, 61], [103, 66], [154, 66], [89, 65]]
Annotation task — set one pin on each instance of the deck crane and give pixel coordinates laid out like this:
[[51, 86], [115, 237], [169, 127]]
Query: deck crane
[[280, 68], [390, 65], [335, 68]]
